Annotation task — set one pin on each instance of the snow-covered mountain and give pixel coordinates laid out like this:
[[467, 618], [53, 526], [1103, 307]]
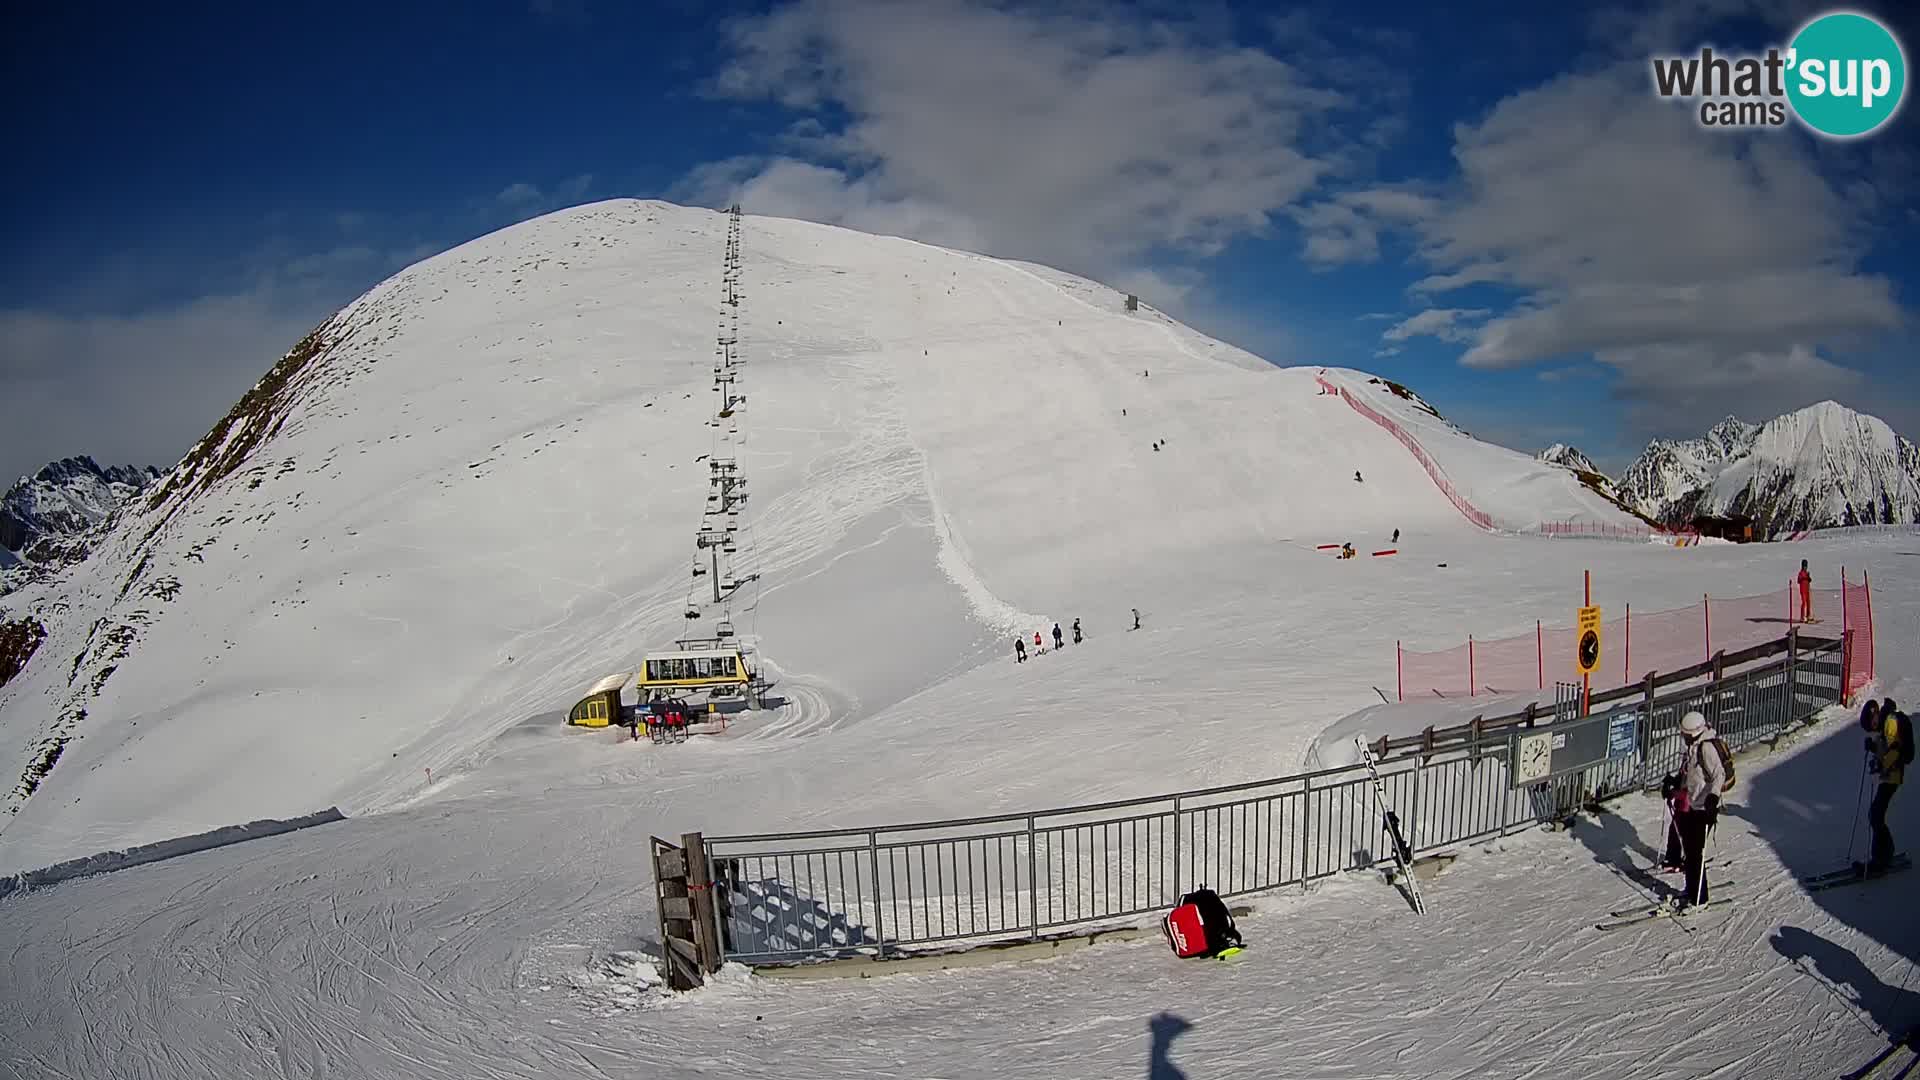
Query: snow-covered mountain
[[1820, 466], [474, 491], [42, 514], [1568, 457]]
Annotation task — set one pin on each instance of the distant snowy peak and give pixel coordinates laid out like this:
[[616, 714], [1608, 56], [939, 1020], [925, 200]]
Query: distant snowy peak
[[1568, 457], [63, 500], [1819, 466]]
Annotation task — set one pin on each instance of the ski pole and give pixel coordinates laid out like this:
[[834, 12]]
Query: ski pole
[[1860, 796], [1700, 882]]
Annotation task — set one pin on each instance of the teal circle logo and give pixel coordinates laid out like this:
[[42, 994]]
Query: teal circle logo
[[1847, 74]]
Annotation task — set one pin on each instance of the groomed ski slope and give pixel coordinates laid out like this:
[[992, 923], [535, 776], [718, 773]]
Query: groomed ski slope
[[484, 932], [480, 497]]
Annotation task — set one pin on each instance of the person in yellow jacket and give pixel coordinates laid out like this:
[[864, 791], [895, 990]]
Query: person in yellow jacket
[[1889, 750]]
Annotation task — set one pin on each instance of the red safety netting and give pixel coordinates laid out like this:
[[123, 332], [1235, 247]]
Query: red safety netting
[[1857, 608], [1636, 643], [1434, 471]]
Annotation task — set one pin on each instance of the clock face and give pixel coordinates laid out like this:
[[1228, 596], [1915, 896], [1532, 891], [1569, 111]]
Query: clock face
[[1533, 757]]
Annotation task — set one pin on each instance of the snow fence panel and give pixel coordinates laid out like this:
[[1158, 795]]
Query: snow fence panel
[[1636, 642], [107, 862]]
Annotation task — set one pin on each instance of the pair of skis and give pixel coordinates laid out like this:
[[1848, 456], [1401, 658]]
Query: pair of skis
[[1633, 916], [1854, 874], [1402, 854]]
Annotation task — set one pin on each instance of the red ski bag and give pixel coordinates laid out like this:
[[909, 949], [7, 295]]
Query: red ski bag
[[1186, 931]]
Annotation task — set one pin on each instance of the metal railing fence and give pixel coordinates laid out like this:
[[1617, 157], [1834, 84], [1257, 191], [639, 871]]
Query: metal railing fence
[[794, 897]]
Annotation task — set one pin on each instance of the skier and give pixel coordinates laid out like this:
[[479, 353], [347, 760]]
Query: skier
[[1696, 804], [1136, 618], [1019, 650], [1038, 646], [1057, 636], [1806, 592], [1356, 477], [1076, 631], [1396, 536], [1889, 749]]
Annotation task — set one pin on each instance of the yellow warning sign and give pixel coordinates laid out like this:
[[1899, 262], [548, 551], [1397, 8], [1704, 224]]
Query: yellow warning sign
[[1587, 653]]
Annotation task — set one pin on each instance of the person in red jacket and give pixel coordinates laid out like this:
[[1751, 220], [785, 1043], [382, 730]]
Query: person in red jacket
[[1806, 592]]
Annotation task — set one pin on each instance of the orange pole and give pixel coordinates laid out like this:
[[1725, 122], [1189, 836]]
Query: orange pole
[[1866, 581], [1586, 680]]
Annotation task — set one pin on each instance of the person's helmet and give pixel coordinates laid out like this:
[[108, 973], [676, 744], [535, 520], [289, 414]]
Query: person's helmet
[[1692, 724]]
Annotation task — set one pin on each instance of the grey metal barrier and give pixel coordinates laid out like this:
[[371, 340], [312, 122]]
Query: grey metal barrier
[[800, 896]]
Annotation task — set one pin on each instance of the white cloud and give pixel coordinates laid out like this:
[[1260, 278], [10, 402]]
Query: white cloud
[[1346, 228], [140, 387], [1700, 265], [135, 389], [1682, 388], [531, 199], [1079, 139], [516, 194], [1383, 353], [1447, 324]]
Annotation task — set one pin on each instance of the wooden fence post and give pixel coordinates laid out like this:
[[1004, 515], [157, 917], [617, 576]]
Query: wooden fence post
[[706, 928], [678, 952]]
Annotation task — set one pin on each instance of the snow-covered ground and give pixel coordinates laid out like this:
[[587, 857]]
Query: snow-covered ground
[[937, 460]]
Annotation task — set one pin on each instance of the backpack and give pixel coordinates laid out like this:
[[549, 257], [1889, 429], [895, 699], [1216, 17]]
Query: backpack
[[1903, 724], [1200, 926], [1726, 759]]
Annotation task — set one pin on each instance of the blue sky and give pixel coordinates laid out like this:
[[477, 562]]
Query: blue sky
[[1483, 202]]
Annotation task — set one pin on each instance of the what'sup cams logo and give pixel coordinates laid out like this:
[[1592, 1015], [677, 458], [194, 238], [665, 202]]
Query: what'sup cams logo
[[1843, 75]]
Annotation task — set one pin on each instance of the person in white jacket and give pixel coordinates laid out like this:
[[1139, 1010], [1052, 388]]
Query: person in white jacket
[[1696, 802]]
